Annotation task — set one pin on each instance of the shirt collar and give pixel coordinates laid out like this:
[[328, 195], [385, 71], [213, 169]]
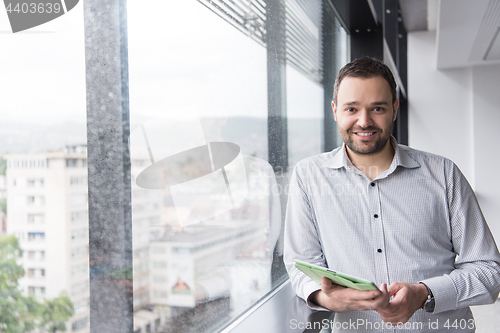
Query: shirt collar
[[401, 158]]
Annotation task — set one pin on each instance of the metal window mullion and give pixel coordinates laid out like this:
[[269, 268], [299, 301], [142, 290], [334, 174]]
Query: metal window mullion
[[109, 183], [331, 53]]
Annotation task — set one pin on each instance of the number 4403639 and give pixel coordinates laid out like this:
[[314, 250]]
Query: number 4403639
[[34, 8]]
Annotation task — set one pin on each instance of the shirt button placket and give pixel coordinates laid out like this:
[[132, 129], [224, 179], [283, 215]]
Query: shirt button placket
[[378, 233]]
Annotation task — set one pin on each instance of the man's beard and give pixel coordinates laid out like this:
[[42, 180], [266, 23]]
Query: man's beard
[[373, 148]]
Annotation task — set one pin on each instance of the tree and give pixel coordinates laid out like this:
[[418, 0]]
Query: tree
[[3, 166], [3, 206], [20, 314], [17, 313], [56, 312]]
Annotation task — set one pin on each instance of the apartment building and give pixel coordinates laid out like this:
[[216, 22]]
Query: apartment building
[[48, 211]]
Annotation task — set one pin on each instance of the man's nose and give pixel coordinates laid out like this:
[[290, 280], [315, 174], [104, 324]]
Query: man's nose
[[364, 119]]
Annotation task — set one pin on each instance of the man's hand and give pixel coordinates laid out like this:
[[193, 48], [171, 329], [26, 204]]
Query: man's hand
[[408, 298], [340, 299]]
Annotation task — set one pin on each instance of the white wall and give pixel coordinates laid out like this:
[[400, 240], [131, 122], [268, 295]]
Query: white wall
[[453, 113], [440, 104], [486, 103]]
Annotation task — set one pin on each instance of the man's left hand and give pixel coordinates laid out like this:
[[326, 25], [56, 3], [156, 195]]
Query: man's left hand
[[408, 298]]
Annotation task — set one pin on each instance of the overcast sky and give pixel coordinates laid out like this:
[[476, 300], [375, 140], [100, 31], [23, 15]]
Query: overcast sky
[[182, 56]]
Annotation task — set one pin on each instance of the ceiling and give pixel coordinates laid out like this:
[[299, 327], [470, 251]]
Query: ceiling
[[468, 31]]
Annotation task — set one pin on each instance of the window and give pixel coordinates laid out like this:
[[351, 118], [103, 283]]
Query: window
[[35, 183], [79, 252], [77, 180], [79, 270], [36, 200], [71, 163], [77, 217], [79, 287], [160, 293], [36, 255], [160, 264], [31, 255], [80, 306], [78, 199], [203, 165], [37, 291], [139, 253], [36, 218], [36, 236], [159, 249], [79, 324], [50, 69], [159, 279], [79, 234]]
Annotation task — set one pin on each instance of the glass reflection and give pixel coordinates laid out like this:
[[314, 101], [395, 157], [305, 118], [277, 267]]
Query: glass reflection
[[206, 209]]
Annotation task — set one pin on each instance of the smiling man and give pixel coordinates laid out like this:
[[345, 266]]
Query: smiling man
[[406, 219]]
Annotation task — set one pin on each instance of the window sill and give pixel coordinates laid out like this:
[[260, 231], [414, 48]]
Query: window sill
[[279, 312]]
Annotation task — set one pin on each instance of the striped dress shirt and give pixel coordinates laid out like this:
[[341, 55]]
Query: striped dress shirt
[[418, 221]]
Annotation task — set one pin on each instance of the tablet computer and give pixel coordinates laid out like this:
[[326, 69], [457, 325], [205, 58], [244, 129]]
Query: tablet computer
[[316, 272]]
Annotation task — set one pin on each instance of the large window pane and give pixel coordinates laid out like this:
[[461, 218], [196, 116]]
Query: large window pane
[[44, 187], [205, 219], [305, 116]]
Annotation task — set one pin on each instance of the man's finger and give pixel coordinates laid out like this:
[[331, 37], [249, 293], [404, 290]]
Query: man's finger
[[328, 286], [394, 288]]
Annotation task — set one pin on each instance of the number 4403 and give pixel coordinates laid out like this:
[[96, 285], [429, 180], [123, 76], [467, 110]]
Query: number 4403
[[459, 324]]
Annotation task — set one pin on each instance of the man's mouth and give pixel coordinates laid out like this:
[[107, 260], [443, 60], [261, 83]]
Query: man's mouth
[[366, 134]]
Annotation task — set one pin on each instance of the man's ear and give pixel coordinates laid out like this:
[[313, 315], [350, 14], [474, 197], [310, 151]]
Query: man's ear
[[396, 104], [334, 111]]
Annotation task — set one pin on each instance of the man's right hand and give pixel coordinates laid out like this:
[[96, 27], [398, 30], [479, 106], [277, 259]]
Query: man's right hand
[[340, 299]]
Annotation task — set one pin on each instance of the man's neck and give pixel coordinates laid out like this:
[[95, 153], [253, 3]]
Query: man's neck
[[373, 165]]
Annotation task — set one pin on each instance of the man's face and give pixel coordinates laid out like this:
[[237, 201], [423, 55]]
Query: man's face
[[364, 114]]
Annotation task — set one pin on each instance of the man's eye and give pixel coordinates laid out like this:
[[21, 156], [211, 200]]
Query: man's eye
[[377, 109], [350, 109]]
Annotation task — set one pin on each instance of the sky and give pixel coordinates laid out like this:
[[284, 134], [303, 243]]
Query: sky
[[42, 71], [182, 56]]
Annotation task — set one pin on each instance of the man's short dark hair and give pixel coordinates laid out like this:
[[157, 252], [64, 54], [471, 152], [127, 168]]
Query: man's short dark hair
[[365, 68]]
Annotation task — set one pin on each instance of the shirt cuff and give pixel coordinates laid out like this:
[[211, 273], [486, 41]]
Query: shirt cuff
[[444, 292], [308, 289]]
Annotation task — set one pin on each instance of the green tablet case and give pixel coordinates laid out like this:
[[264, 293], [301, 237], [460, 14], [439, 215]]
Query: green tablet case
[[317, 272]]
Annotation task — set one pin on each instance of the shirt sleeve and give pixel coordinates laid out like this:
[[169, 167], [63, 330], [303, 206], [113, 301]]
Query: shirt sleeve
[[301, 240], [476, 278]]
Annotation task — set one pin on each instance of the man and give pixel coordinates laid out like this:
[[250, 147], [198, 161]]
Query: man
[[402, 218]]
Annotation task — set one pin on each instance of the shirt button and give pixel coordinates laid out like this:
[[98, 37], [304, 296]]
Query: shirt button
[[372, 184], [375, 216], [379, 250]]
